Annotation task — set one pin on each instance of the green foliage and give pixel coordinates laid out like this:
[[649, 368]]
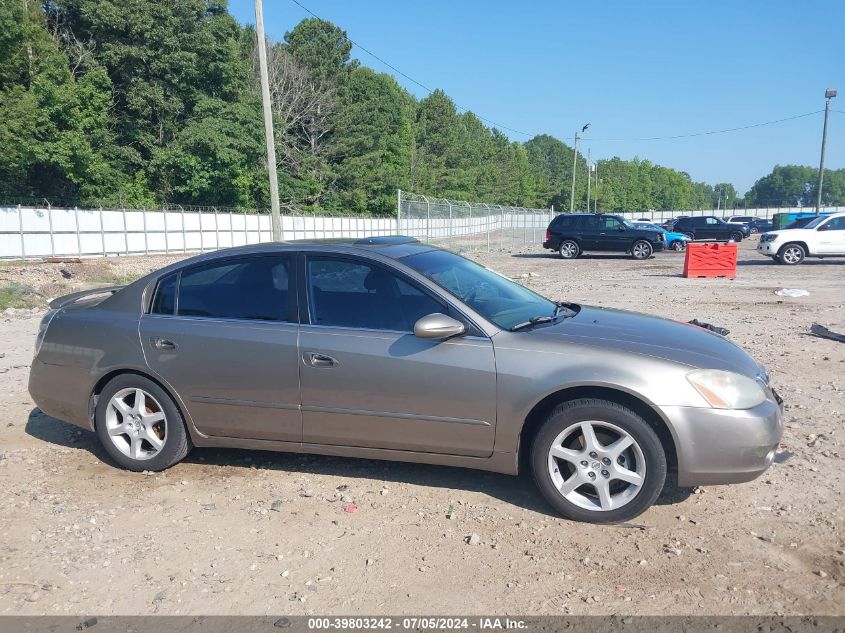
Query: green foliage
[[142, 102]]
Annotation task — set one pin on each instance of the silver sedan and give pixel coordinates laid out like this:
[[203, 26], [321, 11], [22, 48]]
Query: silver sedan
[[386, 348]]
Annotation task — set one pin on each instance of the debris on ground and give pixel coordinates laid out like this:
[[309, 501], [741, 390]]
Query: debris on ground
[[708, 326], [822, 332], [791, 292]]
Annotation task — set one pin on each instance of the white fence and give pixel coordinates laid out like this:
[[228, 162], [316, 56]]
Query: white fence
[[45, 232], [762, 212], [49, 231]]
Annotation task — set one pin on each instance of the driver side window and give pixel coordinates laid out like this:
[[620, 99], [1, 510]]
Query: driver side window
[[356, 294], [836, 224]]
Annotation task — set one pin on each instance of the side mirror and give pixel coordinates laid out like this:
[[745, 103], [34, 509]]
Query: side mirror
[[438, 326]]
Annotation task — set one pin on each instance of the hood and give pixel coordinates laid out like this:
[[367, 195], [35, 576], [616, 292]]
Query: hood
[[651, 336]]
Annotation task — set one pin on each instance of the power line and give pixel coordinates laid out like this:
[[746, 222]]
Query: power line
[[710, 132], [528, 134]]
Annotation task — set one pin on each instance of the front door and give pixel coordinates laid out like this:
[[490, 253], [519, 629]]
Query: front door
[[613, 235], [831, 237], [367, 381], [224, 336]]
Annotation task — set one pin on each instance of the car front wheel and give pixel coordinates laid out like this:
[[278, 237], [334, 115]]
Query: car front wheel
[[736, 237], [139, 425], [791, 254], [641, 250], [678, 245], [569, 249], [597, 461]]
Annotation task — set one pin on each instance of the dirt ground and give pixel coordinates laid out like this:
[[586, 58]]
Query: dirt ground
[[237, 532]]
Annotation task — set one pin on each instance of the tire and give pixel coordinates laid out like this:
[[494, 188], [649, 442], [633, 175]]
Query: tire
[[791, 254], [136, 449], [754, 230], [690, 235], [569, 249], [642, 249], [736, 236], [678, 245], [609, 421]]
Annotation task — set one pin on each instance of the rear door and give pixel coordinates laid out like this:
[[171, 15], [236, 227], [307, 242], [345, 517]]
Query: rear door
[[367, 381], [224, 336], [587, 229]]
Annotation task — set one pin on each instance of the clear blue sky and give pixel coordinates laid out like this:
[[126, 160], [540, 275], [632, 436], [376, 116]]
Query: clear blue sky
[[632, 69]]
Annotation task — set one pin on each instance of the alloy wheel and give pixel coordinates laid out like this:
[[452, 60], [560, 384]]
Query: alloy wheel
[[792, 254], [136, 423], [569, 250], [642, 250], [596, 465]]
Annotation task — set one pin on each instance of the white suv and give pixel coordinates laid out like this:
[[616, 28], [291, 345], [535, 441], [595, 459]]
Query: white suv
[[822, 237]]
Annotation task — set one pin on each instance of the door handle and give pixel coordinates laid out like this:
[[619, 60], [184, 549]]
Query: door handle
[[163, 344], [319, 360]]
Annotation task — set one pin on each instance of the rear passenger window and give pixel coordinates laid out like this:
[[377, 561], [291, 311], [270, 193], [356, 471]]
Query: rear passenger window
[[164, 299], [354, 294], [254, 288], [563, 222]]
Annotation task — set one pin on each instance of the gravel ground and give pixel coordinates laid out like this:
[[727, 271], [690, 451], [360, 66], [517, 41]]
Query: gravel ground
[[236, 532]]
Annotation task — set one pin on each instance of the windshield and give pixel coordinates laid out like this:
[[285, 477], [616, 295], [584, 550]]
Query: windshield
[[815, 222], [496, 298]]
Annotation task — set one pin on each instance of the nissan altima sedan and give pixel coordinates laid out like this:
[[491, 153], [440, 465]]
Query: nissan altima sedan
[[387, 348]]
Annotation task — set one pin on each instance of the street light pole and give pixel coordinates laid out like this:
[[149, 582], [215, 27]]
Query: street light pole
[[589, 174], [828, 95], [574, 165], [268, 123]]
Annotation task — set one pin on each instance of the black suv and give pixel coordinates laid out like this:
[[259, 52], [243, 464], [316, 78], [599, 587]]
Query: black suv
[[709, 227], [571, 234]]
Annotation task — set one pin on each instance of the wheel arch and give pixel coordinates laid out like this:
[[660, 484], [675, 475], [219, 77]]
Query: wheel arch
[[636, 403], [800, 243], [114, 373]]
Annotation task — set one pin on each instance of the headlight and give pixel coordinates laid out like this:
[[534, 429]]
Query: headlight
[[727, 390], [768, 237], [42, 330]]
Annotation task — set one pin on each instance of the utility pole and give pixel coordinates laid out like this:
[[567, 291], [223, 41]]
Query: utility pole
[[574, 165], [589, 174], [828, 95], [596, 197], [268, 123]]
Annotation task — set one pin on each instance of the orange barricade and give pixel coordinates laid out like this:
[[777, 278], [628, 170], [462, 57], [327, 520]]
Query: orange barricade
[[710, 260]]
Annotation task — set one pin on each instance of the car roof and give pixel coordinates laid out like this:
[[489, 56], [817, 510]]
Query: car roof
[[393, 246]]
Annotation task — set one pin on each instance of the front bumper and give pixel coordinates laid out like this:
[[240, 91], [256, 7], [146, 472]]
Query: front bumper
[[767, 248], [718, 446]]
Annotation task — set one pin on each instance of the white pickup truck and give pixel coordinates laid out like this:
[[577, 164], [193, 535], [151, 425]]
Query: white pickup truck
[[822, 237]]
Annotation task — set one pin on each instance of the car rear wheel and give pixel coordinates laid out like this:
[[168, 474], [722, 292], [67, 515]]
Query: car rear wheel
[[139, 425], [641, 249], [569, 249], [597, 461], [791, 254]]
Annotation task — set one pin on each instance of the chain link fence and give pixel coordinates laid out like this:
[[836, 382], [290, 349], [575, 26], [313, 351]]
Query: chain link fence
[[470, 226]]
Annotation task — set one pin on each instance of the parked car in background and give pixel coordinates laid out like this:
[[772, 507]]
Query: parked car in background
[[756, 225], [669, 225], [823, 236], [386, 348], [674, 241], [709, 227], [571, 234]]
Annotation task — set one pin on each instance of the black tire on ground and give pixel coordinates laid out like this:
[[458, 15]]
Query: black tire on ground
[[690, 235], [591, 409], [678, 245], [177, 444], [736, 236], [569, 249], [754, 229], [642, 249], [791, 254]]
